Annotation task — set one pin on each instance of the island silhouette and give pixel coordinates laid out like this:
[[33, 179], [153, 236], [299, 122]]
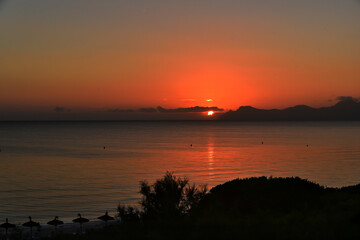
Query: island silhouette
[[347, 109]]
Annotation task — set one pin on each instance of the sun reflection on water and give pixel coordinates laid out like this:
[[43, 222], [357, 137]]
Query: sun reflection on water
[[210, 152]]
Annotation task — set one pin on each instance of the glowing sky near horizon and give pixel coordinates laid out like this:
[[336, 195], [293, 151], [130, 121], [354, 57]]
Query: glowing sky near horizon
[[106, 54]]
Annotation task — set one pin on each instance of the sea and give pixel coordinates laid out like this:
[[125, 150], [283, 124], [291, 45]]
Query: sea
[[61, 169]]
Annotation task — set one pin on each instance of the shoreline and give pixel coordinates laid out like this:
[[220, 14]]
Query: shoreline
[[288, 207], [46, 230]]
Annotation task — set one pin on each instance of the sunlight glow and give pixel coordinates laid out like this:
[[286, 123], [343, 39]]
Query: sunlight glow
[[210, 113]]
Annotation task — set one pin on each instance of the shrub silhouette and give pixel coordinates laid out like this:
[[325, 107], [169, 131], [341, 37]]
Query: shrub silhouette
[[241, 197], [251, 208], [169, 198], [128, 213]]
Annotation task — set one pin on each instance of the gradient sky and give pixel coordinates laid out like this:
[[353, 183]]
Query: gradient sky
[[111, 54]]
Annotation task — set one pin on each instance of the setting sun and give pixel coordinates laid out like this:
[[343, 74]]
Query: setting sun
[[210, 113]]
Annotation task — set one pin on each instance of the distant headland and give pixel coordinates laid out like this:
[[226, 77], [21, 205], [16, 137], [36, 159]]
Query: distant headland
[[344, 110]]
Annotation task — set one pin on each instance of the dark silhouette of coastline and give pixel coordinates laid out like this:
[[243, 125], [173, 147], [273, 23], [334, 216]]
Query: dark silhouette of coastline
[[251, 208], [344, 110], [347, 109]]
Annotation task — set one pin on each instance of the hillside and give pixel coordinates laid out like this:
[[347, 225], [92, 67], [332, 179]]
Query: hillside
[[346, 110]]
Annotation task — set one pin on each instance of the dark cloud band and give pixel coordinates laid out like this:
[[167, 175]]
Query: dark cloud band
[[190, 109], [347, 98], [168, 110]]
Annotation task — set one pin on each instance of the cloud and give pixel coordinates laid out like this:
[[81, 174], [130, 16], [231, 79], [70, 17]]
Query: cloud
[[188, 100], [209, 100], [143, 110], [61, 109], [147, 110], [188, 110], [347, 98], [121, 110], [163, 110]]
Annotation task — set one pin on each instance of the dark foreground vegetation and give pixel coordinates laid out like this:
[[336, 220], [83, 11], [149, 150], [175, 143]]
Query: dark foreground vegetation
[[253, 208]]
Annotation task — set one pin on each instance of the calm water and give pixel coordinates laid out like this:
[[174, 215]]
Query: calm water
[[50, 169]]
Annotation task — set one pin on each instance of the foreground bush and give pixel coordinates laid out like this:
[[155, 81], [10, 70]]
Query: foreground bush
[[169, 198], [253, 208]]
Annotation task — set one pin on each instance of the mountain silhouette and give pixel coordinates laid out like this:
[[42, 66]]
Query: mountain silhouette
[[345, 110]]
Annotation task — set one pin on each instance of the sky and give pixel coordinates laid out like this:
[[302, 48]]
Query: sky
[[114, 58]]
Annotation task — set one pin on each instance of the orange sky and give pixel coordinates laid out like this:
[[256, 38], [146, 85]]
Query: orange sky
[[130, 55]]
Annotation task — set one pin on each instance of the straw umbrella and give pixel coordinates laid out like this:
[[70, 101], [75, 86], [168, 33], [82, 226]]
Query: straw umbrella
[[80, 220], [7, 225], [106, 218], [31, 224], [55, 222]]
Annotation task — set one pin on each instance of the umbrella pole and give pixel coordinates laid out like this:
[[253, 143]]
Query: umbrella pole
[[31, 233], [6, 236], [80, 228]]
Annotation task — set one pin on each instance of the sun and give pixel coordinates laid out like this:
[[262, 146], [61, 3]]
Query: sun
[[210, 113]]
